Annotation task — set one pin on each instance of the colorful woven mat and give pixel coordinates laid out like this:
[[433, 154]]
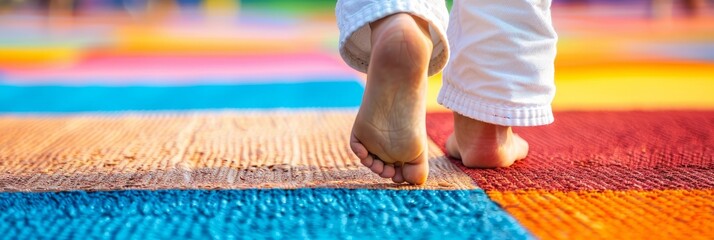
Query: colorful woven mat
[[193, 126], [607, 174]]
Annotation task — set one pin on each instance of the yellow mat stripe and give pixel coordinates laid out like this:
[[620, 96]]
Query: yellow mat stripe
[[622, 86]]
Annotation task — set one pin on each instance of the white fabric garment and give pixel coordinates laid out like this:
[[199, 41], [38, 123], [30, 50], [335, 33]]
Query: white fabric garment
[[354, 16], [500, 53]]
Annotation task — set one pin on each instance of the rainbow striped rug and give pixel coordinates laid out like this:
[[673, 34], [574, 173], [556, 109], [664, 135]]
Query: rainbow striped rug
[[197, 129]]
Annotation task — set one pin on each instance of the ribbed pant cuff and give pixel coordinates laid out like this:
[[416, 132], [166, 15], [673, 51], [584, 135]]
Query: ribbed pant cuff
[[350, 22], [499, 114]]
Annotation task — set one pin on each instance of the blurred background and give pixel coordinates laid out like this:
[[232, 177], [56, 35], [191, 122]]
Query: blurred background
[[612, 54]]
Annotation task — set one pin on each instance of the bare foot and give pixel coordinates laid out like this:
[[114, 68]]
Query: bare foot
[[484, 145], [389, 134]]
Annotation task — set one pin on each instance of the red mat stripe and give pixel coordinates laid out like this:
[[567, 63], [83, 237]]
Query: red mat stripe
[[605, 151]]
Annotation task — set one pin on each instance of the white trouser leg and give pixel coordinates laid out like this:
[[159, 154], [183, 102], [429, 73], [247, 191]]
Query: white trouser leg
[[501, 65], [354, 16]]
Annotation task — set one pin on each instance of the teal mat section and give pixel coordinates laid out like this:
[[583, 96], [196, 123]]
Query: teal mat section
[[67, 99], [249, 214]]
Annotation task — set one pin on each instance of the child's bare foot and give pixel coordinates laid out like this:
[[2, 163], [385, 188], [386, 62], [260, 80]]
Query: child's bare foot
[[484, 145], [389, 134]]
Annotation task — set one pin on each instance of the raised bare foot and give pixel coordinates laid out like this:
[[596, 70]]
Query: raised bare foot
[[484, 145], [389, 134]]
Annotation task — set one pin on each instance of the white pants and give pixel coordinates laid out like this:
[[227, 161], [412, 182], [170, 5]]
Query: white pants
[[500, 53]]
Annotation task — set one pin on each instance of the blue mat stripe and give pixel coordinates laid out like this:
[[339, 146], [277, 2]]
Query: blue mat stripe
[[277, 213], [67, 99]]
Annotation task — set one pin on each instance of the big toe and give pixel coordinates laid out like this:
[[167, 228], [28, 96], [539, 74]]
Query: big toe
[[415, 172]]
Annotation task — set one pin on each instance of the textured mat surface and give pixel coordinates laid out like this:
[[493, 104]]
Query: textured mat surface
[[206, 150], [591, 175], [641, 174], [249, 214], [612, 214]]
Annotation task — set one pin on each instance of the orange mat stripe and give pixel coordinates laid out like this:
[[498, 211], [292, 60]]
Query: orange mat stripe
[[634, 214]]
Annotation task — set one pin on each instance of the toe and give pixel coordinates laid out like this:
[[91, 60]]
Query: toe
[[416, 172], [388, 171], [377, 166], [357, 147], [367, 162], [398, 177]]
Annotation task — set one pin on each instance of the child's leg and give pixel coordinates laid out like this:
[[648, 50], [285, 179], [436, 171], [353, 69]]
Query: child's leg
[[398, 43], [500, 74]]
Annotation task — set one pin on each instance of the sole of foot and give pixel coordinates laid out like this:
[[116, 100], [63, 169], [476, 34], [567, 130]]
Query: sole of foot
[[389, 133]]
